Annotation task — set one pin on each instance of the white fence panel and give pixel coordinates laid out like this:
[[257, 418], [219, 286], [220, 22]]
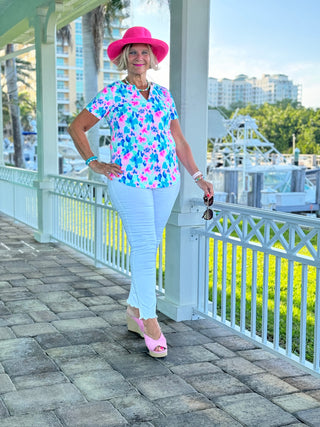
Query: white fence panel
[[85, 220], [18, 195], [263, 271]]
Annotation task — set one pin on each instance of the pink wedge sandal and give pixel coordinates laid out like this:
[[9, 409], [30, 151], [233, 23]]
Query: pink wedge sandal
[[153, 344], [135, 325]]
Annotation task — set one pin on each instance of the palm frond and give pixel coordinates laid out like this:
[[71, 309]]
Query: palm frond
[[64, 35], [113, 9]]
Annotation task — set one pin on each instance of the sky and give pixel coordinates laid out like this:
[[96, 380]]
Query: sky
[[252, 37]]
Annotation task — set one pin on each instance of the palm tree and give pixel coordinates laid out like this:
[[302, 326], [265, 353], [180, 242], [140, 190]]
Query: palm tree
[[12, 86], [93, 30], [64, 35]]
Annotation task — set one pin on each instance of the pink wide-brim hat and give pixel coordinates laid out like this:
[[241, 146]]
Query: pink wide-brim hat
[[138, 35]]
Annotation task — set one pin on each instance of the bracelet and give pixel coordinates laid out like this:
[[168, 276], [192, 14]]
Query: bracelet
[[91, 159], [198, 173], [199, 178]]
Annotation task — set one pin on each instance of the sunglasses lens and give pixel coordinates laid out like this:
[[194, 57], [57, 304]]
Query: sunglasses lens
[[207, 201], [208, 214]]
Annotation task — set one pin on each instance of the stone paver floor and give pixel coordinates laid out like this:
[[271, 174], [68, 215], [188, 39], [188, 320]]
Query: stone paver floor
[[67, 359]]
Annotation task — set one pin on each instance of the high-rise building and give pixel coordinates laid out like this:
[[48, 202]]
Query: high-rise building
[[70, 75], [269, 89]]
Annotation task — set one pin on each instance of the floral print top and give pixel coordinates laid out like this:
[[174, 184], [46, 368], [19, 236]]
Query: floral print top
[[141, 140]]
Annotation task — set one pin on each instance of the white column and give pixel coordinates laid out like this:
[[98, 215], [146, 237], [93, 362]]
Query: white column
[[47, 151], [189, 50]]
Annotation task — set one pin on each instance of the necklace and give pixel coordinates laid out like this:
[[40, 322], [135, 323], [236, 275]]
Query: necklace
[[140, 90]]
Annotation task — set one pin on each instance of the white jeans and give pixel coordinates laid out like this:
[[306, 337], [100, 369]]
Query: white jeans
[[144, 213]]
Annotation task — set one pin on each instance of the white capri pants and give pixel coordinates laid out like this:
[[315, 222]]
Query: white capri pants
[[144, 213]]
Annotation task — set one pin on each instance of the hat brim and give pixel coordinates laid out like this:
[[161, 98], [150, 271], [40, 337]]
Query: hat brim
[[159, 47]]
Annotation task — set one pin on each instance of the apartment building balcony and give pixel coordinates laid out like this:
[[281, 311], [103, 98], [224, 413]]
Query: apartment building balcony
[[63, 90], [62, 54], [63, 101], [63, 78]]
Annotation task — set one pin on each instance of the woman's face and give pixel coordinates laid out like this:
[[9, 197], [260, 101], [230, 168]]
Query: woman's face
[[138, 59]]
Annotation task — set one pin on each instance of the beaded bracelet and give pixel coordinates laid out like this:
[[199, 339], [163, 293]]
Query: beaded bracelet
[[198, 178], [195, 175], [91, 159]]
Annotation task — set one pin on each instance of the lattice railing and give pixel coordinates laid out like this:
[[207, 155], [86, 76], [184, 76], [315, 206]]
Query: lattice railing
[[19, 195], [83, 218], [261, 276]]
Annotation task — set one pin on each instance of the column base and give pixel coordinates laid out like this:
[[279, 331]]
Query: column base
[[174, 311], [42, 237]]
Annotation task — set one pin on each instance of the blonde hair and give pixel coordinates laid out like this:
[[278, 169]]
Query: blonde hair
[[121, 60]]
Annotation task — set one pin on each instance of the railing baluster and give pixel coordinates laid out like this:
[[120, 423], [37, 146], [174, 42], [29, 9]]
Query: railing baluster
[[233, 285], [215, 279], [243, 290], [303, 315], [265, 298], [224, 282], [289, 309], [276, 321], [316, 350], [254, 295], [202, 261], [118, 247], [206, 277], [123, 248]]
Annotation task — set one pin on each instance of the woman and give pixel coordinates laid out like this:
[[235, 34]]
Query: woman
[[144, 175]]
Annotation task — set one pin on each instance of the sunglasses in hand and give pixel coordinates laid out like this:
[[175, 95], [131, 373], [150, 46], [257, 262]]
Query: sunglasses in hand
[[208, 213]]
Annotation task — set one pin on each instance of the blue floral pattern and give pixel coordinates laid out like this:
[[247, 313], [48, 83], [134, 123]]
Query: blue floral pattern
[[141, 140]]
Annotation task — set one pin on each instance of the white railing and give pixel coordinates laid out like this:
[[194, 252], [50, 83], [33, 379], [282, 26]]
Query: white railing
[[84, 219], [258, 270], [259, 273], [18, 195]]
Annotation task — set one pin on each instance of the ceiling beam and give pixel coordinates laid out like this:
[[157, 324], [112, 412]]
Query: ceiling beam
[[16, 22]]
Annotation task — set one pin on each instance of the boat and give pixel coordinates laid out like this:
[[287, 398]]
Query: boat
[[247, 169]]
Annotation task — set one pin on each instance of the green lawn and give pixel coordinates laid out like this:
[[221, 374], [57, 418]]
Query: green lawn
[[297, 274]]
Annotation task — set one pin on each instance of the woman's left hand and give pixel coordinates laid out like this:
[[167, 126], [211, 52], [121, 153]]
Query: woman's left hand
[[207, 187]]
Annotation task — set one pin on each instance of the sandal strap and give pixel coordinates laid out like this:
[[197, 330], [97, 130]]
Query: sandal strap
[[153, 344]]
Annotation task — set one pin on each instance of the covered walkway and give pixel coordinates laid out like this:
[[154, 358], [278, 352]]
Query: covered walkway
[[66, 358]]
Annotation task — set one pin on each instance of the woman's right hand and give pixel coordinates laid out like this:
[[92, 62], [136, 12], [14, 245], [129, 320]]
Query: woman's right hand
[[108, 169]]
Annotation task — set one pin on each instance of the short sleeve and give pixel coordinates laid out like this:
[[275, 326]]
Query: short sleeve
[[101, 103], [171, 104], [173, 110]]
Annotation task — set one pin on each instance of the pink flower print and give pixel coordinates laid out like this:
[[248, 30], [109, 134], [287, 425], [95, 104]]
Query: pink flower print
[[162, 154], [142, 139], [126, 159], [144, 130], [143, 178], [135, 103], [122, 120]]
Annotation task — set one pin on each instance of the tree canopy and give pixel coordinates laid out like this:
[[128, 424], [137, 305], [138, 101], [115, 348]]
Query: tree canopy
[[278, 122]]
